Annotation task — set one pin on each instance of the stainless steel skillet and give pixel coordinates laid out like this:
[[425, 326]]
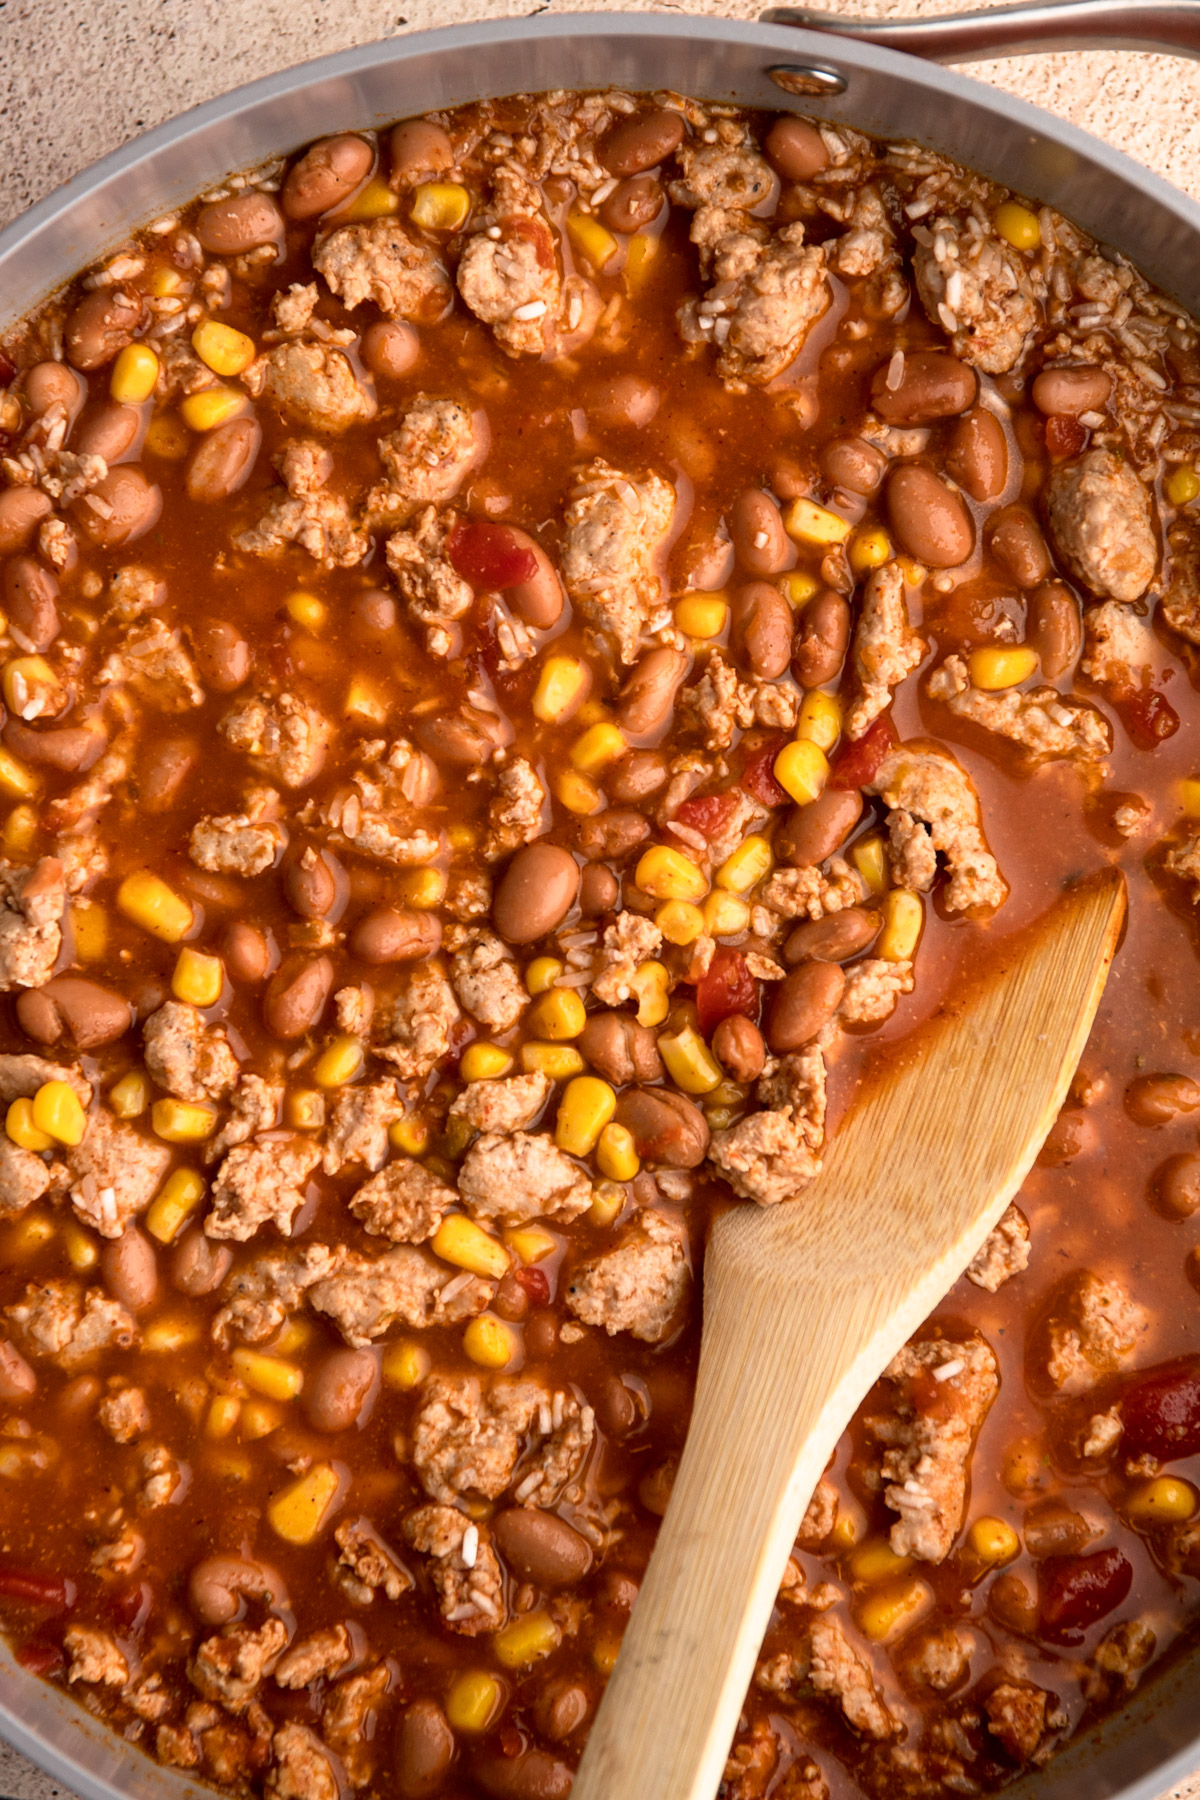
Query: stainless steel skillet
[[1156, 1741]]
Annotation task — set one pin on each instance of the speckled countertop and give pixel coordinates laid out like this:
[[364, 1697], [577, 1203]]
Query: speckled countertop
[[80, 77]]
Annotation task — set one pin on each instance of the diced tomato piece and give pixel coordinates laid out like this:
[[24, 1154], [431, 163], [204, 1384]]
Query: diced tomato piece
[[758, 776], [707, 812], [858, 763], [1075, 1591], [535, 1285], [37, 1590], [1161, 1410], [1065, 436], [130, 1607], [489, 556], [1148, 717], [42, 1659], [726, 988], [538, 234]]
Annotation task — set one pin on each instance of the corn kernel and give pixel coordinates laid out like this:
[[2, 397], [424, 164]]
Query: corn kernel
[[702, 615], [18, 1123], [1182, 485], [913, 572], [650, 984], [680, 921], [590, 239], [461, 1241], [530, 1243], [605, 1652], [167, 437], [259, 1418], [526, 1640], [616, 1154], [20, 835], [175, 1202], [599, 746], [870, 858], [163, 1337], [903, 917], [82, 1250], [461, 837], [798, 588], [542, 973], [376, 201], [28, 1236], [746, 865], [147, 901], [558, 1015], [583, 1112], [440, 205], [869, 548], [423, 888], [558, 1061], [129, 1097], [877, 1561], [294, 1336], [223, 349], [409, 1134], [31, 688], [690, 1063], [1168, 1499], [164, 283], [222, 1415], [803, 769], [473, 1701], [561, 690], [820, 720], [297, 1513], [594, 712], [269, 1376], [212, 407], [339, 1062], [134, 375], [489, 1342], [667, 874], [1024, 1466], [405, 1365], [809, 523], [882, 1615], [639, 259], [365, 703], [1189, 796], [725, 914], [306, 610], [577, 793], [182, 1121], [484, 1062], [1018, 226], [198, 978], [993, 1539], [304, 1109], [15, 778], [57, 1111], [607, 1201], [997, 666]]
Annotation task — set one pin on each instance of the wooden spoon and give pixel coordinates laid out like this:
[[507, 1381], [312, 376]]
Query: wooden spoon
[[804, 1307]]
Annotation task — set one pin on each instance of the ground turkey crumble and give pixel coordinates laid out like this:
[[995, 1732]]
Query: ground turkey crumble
[[640, 1285], [613, 532]]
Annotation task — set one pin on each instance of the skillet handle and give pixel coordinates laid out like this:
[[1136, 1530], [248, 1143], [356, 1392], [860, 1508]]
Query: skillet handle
[[1163, 25]]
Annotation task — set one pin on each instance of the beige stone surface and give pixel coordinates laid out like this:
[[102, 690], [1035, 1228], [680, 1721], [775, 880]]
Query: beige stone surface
[[79, 77]]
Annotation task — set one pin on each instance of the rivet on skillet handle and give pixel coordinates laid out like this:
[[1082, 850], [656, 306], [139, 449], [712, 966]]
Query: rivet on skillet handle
[[1170, 25]]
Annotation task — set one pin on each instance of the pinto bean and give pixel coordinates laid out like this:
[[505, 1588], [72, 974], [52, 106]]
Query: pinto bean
[[929, 517], [666, 1127], [222, 460], [310, 882], [624, 402], [423, 1750], [977, 456], [129, 506], [853, 464], [31, 603], [819, 647], [612, 836], [647, 702], [738, 1046], [531, 1775], [199, 1265], [164, 768], [933, 385], [68, 747], [641, 142], [560, 1709], [130, 1270], [297, 995], [390, 347], [218, 1587], [463, 738], [342, 1392], [803, 1002], [1176, 1185], [73, 1008], [1055, 628], [393, 934], [21, 512], [1157, 1099], [811, 833], [762, 629], [17, 1380], [419, 148], [245, 952], [636, 777], [110, 431], [102, 324], [633, 203], [222, 654], [540, 1547], [795, 149], [373, 612], [756, 528], [537, 602], [620, 1049], [326, 174], [1072, 389], [599, 890], [1016, 540], [243, 222], [834, 938], [50, 384], [536, 892]]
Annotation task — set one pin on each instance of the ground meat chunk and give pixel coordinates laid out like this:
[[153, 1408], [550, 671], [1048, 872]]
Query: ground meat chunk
[[434, 593], [426, 459], [935, 1394], [1016, 1717], [872, 989], [261, 1294], [979, 289], [487, 980], [324, 1653], [613, 532], [820, 1516], [517, 811], [1182, 859], [510, 1180], [640, 1285], [24, 1177], [114, 1173], [315, 384], [1120, 1657], [503, 1106], [937, 1658], [732, 176], [235, 844], [125, 1415], [1102, 1433], [285, 738], [413, 1031], [405, 1202], [349, 1719], [1093, 1326], [467, 1440], [190, 1059], [22, 1076], [260, 1184], [371, 1565], [813, 893], [358, 1125], [886, 648], [95, 1656], [463, 1567], [229, 1669], [310, 514], [366, 1297], [1180, 602], [1041, 720], [154, 663], [58, 1320], [926, 789], [161, 1478], [1005, 1252], [767, 292], [31, 910], [720, 704], [301, 1769], [771, 1155], [1118, 651], [377, 814], [627, 943], [1100, 518], [379, 261], [256, 1105], [508, 274], [827, 1661]]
